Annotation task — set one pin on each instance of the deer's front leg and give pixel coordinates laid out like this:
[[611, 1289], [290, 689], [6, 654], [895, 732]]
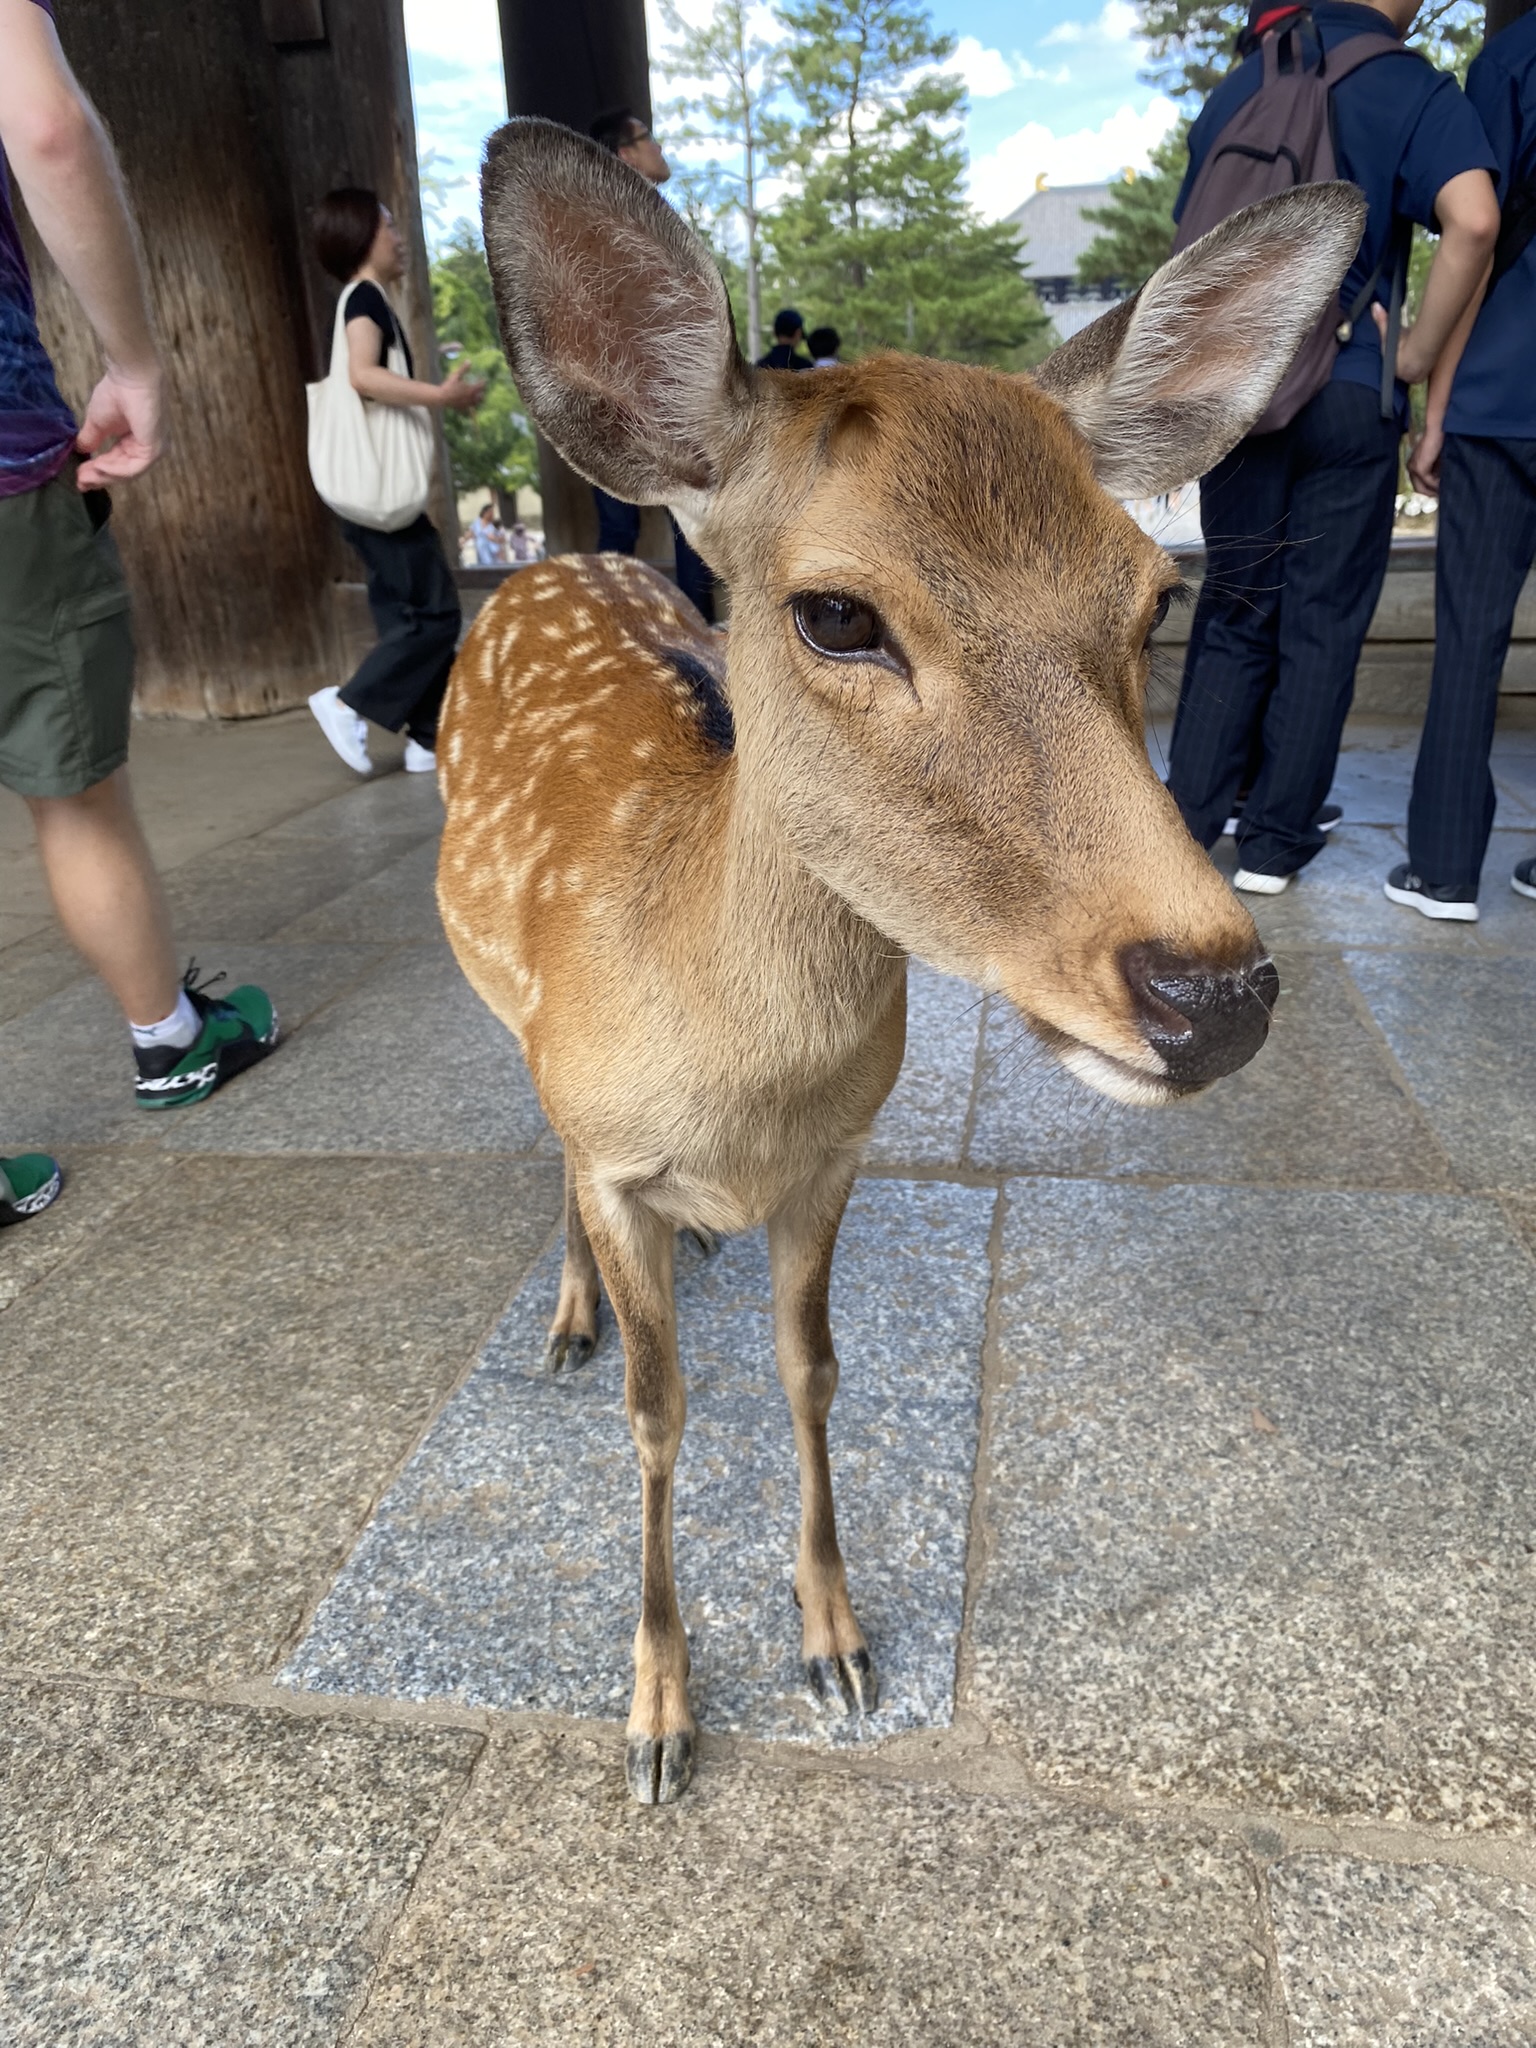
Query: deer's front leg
[[801, 1238], [634, 1254]]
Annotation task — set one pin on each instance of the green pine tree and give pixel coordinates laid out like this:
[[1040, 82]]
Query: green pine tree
[[1191, 40], [875, 235], [493, 447], [1137, 221]]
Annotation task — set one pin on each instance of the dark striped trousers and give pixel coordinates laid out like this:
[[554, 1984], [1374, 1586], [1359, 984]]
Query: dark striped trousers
[[1298, 527], [1486, 545]]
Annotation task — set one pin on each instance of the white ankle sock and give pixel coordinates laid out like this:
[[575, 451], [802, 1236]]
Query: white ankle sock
[[177, 1030]]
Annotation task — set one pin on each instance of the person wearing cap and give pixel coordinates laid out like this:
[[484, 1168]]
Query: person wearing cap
[[788, 351]]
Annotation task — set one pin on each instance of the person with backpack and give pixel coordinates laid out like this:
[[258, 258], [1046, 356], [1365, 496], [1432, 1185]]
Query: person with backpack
[[1477, 455], [1298, 518]]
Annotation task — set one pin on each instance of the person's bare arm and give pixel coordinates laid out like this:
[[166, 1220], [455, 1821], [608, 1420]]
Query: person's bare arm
[[369, 376], [1424, 462], [68, 175], [1468, 212]]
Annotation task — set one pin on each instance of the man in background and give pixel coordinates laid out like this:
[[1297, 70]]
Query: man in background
[[788, 351], [622, 132], [66, 652]]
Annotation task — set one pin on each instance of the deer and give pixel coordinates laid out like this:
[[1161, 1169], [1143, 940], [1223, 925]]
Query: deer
[[687, 868]]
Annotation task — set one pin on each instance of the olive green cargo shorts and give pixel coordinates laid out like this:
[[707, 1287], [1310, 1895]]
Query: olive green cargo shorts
[[66, 647]]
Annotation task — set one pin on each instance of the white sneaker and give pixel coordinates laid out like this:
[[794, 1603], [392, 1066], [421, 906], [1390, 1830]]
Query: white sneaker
[[347, 733], [419, 760], [1261, 885]]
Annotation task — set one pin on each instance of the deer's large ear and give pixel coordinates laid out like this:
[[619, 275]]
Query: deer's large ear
[[613, 315], [1170, 381]]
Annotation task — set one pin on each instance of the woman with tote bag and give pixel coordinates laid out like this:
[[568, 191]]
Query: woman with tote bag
[[370, 453]]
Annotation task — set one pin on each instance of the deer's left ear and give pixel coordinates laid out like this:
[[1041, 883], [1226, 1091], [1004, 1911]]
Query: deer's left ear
[[1169, 382]]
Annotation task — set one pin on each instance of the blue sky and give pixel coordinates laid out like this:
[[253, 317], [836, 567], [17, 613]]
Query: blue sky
[[1053, 83]]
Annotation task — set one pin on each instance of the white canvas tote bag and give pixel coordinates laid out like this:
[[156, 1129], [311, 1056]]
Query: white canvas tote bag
[[371, 463]]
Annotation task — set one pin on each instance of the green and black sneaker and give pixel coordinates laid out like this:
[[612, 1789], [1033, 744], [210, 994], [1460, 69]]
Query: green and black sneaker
[[28, 1183], [238, 1030]]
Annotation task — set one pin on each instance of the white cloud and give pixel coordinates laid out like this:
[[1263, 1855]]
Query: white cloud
[[1115, 24], [1005, 176], [468, 32], [986, 72]]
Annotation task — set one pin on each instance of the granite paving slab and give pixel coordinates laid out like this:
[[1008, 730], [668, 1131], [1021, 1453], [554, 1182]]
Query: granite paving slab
[[397, 903], [1376, 1955], [1320, 1104], [1372, 782], [177, 1874], [777, 1909], [1463, 1036], [1514, 781], [923, 1120], [410, 1061], [376, 811], [201, 1411], [1260, 1522], [99, 1182], [251, 889], [66, 1064], [503, 1567], [35, 967], [1337, 900]]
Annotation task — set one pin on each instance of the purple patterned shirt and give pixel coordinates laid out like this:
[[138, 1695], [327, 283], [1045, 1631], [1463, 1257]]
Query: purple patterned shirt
[[37, 429]]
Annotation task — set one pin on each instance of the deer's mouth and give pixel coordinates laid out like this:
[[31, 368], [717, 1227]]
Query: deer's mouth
[[1141, 1087]]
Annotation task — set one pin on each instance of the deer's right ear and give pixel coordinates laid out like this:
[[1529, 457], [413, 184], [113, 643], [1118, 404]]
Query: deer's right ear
[[1170, 381], [613, 316]]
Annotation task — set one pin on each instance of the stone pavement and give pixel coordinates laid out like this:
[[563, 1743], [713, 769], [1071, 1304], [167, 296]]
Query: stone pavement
[[1185, 1463]]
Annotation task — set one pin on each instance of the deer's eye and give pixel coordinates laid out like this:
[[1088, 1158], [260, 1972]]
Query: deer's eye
[[1162, 611], [834, 623]]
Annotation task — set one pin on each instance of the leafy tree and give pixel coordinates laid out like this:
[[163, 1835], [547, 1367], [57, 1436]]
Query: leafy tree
[[737, 72], [493, 447], [1191, 40], [1137, 221], [875, 234]]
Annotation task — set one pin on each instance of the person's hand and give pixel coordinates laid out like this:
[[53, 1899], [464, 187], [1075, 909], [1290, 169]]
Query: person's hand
[[122, 432], [461, 391], [1409, 369], [1424, 459]]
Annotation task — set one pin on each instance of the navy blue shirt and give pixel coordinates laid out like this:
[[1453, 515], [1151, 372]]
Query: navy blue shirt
[[1402, 130], [37, 429], [1495, 388]]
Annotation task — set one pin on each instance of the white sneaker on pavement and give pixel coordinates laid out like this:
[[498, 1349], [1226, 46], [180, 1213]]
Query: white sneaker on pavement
[[347, 733], [1260, 885], [419, 760]]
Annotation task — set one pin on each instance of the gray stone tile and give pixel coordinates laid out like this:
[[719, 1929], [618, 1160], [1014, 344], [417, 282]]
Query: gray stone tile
[[251, 889], [409, 1061], [790, 1909], [398, 903], [1463, 1038], [178, 1874], [35, 968], [1514, 779], [1318, 1105], [502, 1568], [1521, 1210], [384, 808], [66, 1064], [202, 1410], [1337, 900], [923, 1121], [99, 1182], [1372, 781], [1260, 1523], [1377, 1956]]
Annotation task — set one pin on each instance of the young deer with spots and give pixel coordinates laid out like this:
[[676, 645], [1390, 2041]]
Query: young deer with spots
[[687, 874]]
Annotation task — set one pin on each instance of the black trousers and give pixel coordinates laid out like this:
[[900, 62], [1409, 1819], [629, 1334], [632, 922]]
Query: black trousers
[[415, 605], [1297, 526], [618, 530], [1487, 541]]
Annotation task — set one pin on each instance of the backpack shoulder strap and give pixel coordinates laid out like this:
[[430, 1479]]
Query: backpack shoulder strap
[[1354, 51]]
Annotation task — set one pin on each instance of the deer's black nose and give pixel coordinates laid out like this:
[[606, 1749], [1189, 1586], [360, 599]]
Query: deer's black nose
[[1204, 1021]]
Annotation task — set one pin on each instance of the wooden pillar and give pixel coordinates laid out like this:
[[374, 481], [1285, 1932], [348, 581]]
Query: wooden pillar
[[230, 120], [571, 62]]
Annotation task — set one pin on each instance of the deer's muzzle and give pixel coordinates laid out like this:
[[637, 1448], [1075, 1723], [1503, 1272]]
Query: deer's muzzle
[[1202, 1022]]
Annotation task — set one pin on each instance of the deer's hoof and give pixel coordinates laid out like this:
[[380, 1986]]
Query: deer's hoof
[[567, 1351], [658, 1767], [846, 1684]]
